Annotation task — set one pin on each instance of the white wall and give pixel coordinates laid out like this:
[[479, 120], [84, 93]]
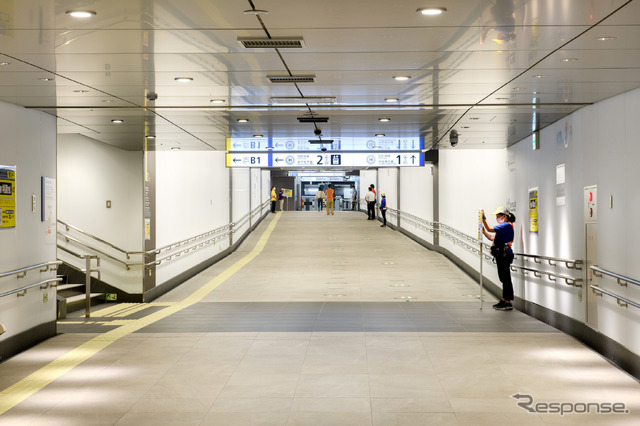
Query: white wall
[[256, 193], [241, 200], [416, 198], [388, 183], [367, 177], [598, 146], [192, 197], [28, 141], [266, 189], [89, 174]]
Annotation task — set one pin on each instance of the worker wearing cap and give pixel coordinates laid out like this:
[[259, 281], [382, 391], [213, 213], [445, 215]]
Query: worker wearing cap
[[502, 236]]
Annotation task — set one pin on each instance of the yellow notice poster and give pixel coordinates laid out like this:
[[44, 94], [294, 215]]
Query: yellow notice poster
[[533, 211], [8, 196]]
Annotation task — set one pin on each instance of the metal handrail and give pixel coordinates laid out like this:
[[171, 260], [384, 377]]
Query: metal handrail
[[70, 238], [570, 264], [574, 282], [94, 237], [437, 226], [619, 298], [186, 241], [23, 290], [621, 279], [187, 250], [22, 272]]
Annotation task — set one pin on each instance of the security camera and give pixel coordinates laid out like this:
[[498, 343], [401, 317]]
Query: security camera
[[453, 137], [152, 96], [317, 132], [323, 149]]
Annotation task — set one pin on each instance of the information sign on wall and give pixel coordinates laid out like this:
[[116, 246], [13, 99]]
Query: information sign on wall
[[533, 211], [8, 196], [48, 209]]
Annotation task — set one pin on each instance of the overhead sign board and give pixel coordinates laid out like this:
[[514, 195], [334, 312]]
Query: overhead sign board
[[339, 144], [326, 159]]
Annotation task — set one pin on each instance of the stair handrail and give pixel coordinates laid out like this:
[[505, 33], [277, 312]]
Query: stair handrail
[[23, 290], [22, 272], [217, 233], [94, 237], [75, 240]]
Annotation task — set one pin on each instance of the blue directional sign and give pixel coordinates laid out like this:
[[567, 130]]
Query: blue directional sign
[[326, 159], [339, 144]]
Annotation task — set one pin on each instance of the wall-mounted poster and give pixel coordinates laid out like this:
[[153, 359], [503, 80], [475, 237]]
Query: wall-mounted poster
[[8, 196], [48, 209], [533, 211]]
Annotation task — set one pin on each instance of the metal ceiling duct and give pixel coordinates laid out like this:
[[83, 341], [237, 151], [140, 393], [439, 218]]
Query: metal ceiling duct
[[272, 43]]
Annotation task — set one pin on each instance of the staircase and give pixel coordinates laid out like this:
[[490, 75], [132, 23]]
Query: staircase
[[72, 297]]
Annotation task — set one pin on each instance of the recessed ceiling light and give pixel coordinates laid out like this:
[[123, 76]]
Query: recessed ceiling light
[[518, 88], [474, 118], [175, 148], [117, 121], [384, 120], [108, 100], [81, 13], [258, 136], [432, 11], [466, 127], [183, 79], [380, 135], [401, 77], [217, 101], [5, 63], [606, 38], [540, 76], [242, 120], [391, 99], [569, 59], [80, 91], [150, 136], [46, 79], [256, 12]]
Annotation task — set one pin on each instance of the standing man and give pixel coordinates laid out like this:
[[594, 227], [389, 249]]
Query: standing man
[[329, 195], [370, 198], [281, 198]]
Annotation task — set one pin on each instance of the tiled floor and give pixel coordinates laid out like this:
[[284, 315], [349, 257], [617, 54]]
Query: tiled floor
[[336, 322]]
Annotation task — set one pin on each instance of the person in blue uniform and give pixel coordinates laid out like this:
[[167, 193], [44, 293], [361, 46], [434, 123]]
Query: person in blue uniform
[[383, 209], [502, 236]]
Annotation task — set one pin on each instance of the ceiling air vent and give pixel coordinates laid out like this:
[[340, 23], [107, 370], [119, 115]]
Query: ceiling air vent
[[272, 43], [300, 100], [292, 78]]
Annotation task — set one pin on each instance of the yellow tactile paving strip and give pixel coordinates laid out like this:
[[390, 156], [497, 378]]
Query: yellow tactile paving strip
[[15, 394]]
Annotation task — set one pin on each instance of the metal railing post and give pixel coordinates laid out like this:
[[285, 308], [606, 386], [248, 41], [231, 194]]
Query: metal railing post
[[87, 303]]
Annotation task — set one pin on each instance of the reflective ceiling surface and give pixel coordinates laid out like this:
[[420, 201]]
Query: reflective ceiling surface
[[493, 70]]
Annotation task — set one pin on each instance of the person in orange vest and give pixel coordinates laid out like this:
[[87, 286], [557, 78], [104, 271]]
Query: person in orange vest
[[274, 198], [329, 195]]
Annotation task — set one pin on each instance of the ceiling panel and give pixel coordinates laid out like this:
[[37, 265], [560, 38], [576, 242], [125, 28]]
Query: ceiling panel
[[479, 68]]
